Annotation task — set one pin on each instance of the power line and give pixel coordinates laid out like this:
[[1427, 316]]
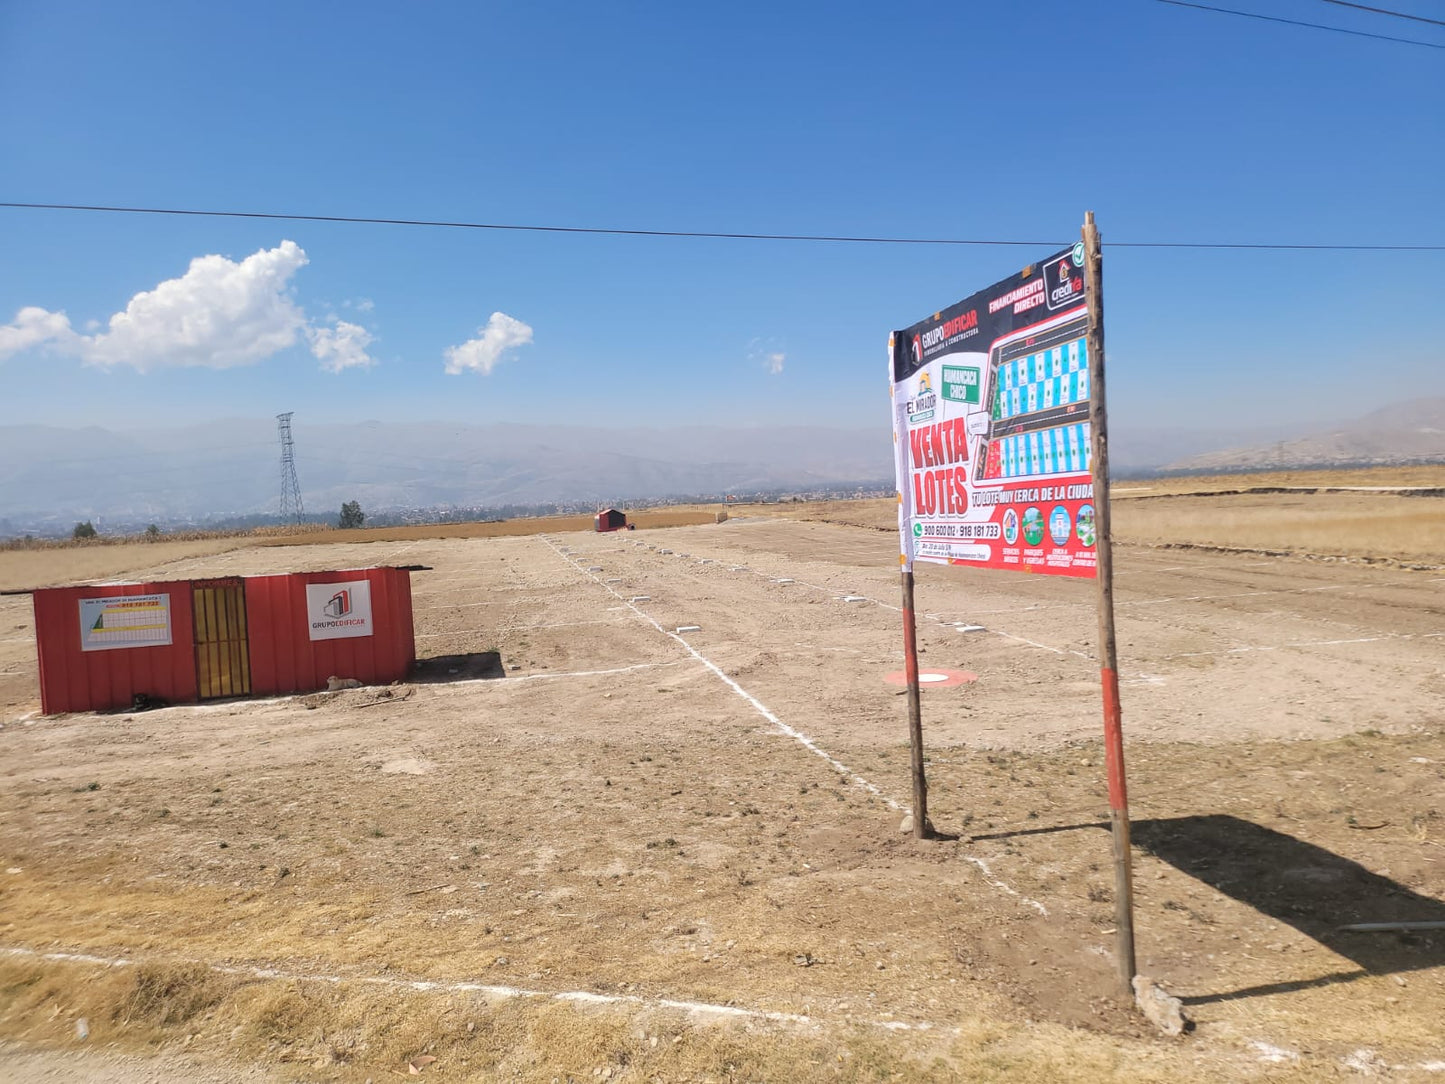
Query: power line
[[1298, 22], [1384, 11], [358, 220], [713, 235]]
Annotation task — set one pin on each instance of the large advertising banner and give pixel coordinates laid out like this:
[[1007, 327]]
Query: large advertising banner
[[991, 426], [335, 611], [125, 621]]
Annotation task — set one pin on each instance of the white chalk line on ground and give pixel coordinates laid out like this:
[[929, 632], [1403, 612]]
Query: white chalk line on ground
[[947, 624], [793, 733], [514, 628], [952, 622], [757, 705], [898, 610], [408, 546], [1120, 603], [492, 990], [988, 876], [520, 600], [432, 686], [563, 674], [1245, 648]]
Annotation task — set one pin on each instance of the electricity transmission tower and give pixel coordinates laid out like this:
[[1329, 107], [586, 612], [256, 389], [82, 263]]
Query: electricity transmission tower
[[291, 509]]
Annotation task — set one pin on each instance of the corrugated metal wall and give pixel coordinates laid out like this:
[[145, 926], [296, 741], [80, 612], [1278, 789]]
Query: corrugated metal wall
[[282, 656], [284, 659], [76, 680]]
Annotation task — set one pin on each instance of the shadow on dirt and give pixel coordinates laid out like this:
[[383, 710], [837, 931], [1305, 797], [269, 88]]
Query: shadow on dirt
[[1314, 890], [475, 666]]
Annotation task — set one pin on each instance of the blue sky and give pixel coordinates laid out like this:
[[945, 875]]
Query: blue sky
[[953, 120]]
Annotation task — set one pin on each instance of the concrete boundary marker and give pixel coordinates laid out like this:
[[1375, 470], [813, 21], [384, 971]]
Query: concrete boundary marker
[[490, 990]]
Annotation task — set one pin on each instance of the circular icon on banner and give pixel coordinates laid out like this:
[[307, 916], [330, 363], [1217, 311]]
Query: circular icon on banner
[[1078, 254], [1010, 526], [1060, 525], [1033, 525], [918, 530], [1085, 526]]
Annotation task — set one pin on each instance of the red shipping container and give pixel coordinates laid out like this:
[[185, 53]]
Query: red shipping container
[[284, 658], [74, 678], [100, 647]]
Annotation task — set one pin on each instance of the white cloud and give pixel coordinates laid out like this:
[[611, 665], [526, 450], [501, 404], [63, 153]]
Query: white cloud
[[32, 327], [765, 352], [221, 313], [483, 353], [341, 347]]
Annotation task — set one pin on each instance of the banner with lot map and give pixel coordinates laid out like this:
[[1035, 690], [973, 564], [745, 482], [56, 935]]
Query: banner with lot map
[[120, 621], [991, 426]]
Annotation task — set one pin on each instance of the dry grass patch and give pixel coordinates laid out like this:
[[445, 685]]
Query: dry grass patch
[[348, 1031], [1365, 525], [1427, 475], [51, 566]]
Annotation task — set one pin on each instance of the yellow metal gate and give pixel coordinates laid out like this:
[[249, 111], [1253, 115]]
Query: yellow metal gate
[[223, 662]]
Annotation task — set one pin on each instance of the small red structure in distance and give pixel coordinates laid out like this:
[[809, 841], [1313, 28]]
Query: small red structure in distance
[[610, 519]]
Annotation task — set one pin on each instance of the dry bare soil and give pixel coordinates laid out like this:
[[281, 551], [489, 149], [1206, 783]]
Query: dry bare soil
[[1386, 515], [638, 854]]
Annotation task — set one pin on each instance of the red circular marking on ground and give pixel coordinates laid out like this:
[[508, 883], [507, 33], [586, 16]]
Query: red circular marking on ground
[[934, 678]]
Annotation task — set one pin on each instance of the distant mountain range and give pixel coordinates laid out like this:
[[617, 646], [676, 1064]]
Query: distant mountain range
[[51, 477], [1410, 432]]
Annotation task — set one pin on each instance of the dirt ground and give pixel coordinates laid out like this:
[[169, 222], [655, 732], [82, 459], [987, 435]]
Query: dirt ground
[[1393, 516], [648, 519], [21, 569], [643, 854]]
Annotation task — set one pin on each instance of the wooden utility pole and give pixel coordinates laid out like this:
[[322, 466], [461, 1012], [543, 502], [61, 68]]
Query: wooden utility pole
[[915, 710], [1108, 655]]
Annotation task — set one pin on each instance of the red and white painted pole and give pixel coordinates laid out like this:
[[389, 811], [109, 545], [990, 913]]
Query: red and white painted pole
[[1108, 653]]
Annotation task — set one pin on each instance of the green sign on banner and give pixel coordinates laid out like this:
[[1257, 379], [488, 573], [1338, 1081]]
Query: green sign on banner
[[960, 384]]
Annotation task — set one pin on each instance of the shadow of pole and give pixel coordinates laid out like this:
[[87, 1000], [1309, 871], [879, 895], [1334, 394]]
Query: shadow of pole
[[1294, 882], [1265, 989], [1302, 885]]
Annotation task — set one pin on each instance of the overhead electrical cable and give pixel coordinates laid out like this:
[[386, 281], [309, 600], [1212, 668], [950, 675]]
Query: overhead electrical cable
[[1385, 11], [711, 234], [1300, 22]]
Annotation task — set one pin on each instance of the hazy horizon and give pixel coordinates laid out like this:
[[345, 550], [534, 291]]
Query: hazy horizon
[[51, 476]]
